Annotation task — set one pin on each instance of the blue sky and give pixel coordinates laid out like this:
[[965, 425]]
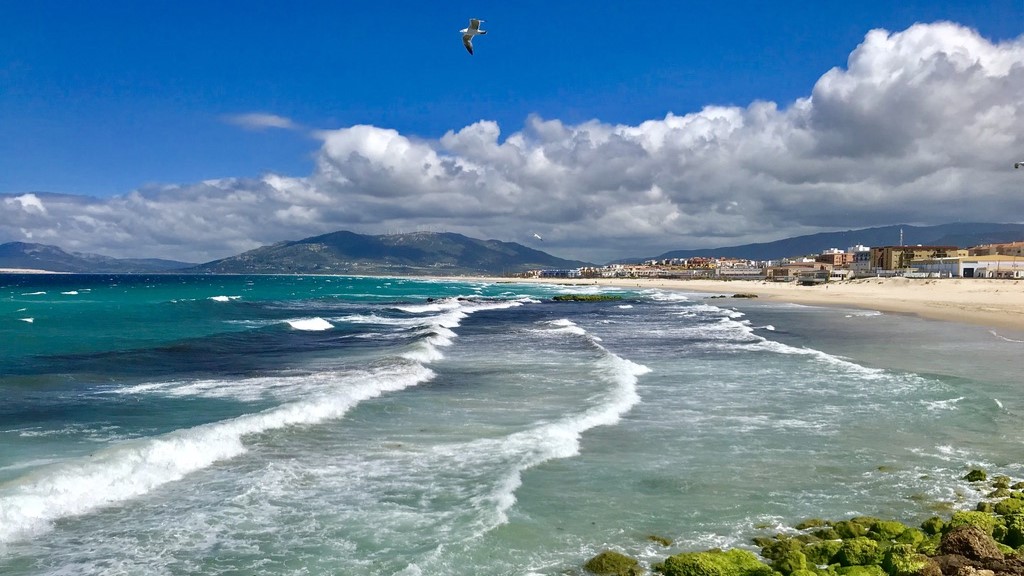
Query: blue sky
[[109, 98]]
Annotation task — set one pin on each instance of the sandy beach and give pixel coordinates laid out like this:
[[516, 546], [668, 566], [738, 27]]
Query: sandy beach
[[993, 303]]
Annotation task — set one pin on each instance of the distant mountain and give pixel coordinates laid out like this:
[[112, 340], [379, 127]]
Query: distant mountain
[[963, 235], [54, 259], [419, 253]]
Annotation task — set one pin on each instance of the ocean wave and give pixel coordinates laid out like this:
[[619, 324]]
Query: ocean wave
[[30, 505], [223, 298], [1004, 338], [559, 439], [29, 320], [310, 324], [438, 328]]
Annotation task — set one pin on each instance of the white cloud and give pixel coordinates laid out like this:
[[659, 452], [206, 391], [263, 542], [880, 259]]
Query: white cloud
[[260, 121], [921, 126], [28, 202]]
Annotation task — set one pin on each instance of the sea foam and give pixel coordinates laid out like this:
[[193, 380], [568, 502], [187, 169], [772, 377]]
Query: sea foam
[[310, 324], [29, 506]]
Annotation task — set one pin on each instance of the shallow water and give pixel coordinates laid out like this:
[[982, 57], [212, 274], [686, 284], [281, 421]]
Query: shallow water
[[295, 425]]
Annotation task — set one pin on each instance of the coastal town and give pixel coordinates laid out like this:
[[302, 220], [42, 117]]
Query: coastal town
[[995, 261]]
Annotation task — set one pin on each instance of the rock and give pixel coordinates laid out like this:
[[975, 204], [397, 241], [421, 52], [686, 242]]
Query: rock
[[778, 548], [811, 523], [976, 475], [873, 570], [903, 560], [822, 553], [951, 564], [971, 542], [932, 525], [972, 571], [1009, 507], [911, 536], [791, 562], [886, 530], [850, 529], [612, 563], [1001, 482], [859, 551], [660, 540], [714, 563], [983, 520], [1014, 530]]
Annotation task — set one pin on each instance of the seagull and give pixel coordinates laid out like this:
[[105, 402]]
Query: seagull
[[1018, 164], [468, 33], [537, 236]]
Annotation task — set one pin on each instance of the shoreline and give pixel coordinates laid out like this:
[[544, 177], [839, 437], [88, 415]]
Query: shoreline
[[980, 302], [976, 301]]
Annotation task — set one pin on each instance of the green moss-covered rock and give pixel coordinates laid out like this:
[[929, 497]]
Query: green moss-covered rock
[[859, 551], [1009, 507], [874, 570], [1014, 526], [1001, 482], [850, 529], [805, 572], [822, 553], [827, 534], [903, 560], [976, 475], [983, 520], [781, 546], [1018, 486], [811, 523], [986, 507], [886, 530], [714, 563], [585, 297], [911, 536], [659, 540], [612, 563], [930, 545], [932, 525], [792, 561], [999, 493]]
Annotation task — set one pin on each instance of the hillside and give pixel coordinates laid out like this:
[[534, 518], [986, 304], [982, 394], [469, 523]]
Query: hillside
[[54, 259], [419, 253], [963, 235]]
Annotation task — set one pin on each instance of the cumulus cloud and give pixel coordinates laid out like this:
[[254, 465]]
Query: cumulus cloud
[[260, 121], [920, 126]]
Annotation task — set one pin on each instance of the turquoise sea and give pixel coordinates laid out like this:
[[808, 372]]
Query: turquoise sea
[[383, 426]]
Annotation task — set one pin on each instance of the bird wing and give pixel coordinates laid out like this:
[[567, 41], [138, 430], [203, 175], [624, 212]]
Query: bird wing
[[474, 24], [467, 41]]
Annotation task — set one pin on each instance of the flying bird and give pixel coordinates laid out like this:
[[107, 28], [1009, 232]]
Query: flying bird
[[1018, 164], [468, 33], [537, 236]]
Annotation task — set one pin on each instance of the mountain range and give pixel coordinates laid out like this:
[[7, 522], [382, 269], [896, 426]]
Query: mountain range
[[960, 234], [433, 253]]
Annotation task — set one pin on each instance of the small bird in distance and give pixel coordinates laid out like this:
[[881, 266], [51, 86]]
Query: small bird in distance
[[537, 236], [1018, 164], [468, 33]]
